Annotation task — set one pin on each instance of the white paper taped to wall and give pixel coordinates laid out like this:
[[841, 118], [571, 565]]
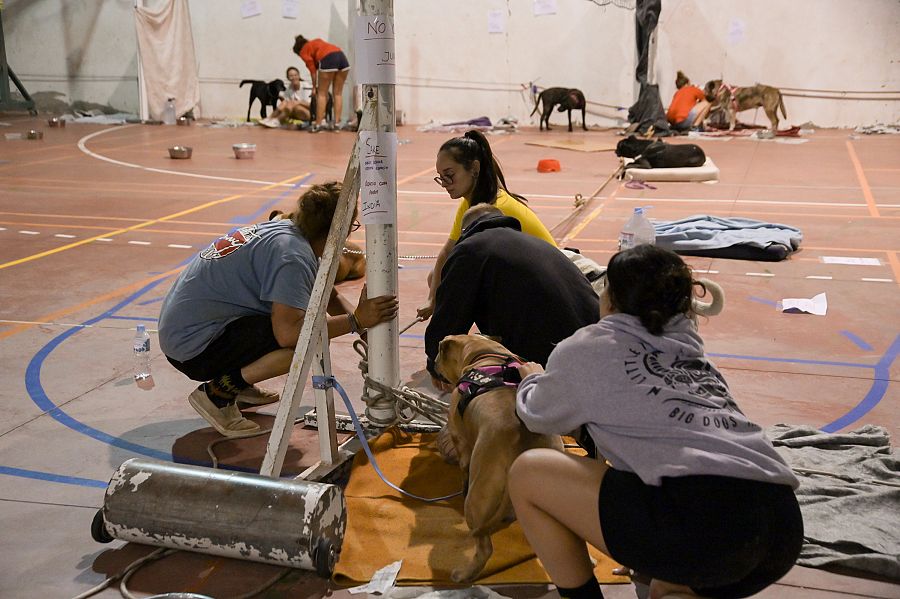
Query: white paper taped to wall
[[374, 37], [377, 178]]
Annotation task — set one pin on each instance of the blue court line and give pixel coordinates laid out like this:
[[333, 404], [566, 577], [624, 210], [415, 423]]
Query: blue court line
[[860, 343], [761, 300], [790, 360], [54, 478], [155, 300], [876, 393], [39, 396], [266, 207]]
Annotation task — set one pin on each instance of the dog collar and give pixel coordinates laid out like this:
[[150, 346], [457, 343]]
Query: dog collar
[[482, 379]]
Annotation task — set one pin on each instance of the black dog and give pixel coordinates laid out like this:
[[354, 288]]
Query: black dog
[[329, 108], [655, 153], [268, 94], [567, 98]]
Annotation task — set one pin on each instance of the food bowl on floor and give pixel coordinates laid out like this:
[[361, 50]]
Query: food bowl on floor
[[56, 122], [244, 150], [183, 121], [35, 134], [180, 152]]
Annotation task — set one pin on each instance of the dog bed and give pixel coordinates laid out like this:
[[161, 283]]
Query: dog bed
[[708, 172], [430, 538]]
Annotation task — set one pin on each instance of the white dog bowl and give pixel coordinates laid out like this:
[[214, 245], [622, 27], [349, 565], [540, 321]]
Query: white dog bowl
[[244, 150]]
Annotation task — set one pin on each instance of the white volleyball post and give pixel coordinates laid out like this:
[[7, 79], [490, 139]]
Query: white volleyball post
[[374, 55], [372, 171]]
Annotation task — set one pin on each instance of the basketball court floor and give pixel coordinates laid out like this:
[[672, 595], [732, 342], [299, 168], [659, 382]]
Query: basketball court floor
[[96, 221]]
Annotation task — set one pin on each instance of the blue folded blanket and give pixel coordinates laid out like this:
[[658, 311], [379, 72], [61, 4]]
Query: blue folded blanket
[[735, 237]]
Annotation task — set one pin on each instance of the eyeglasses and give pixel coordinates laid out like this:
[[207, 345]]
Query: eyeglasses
[[355, 225], [444, 180]]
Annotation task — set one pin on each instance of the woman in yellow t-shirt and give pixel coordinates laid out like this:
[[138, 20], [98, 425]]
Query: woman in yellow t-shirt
[[468, 170]]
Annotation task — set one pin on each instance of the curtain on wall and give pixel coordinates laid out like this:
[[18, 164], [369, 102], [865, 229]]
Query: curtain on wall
[[166, 47]]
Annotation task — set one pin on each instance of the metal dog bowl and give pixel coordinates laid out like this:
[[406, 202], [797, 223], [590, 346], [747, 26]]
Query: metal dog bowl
[[33, 134], [183, 121], [56, 122], [180, 152], [244, 150]]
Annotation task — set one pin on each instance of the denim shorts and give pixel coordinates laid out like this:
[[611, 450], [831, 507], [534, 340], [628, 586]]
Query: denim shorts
[[336, 61]]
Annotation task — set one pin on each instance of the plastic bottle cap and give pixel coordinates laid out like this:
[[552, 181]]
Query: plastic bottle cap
[[141, 328]]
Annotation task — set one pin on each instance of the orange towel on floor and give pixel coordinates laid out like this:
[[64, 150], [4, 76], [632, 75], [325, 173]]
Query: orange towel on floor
[[432, 539]]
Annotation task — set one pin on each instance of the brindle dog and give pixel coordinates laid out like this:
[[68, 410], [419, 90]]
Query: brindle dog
[[736, 99]]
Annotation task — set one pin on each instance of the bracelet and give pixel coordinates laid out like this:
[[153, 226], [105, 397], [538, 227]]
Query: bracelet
[[354, 324]]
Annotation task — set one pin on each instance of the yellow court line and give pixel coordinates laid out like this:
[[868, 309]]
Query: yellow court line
[[146, 223], [863, 182], [50, 318], [584, 223]]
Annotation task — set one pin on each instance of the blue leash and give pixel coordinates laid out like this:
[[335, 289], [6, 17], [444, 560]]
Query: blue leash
[[323, 382]]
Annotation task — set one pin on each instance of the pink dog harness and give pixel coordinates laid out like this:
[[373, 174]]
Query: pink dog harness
[[482, 379]]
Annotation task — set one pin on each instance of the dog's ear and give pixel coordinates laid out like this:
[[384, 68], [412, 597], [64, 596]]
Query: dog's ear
[[274, 214]]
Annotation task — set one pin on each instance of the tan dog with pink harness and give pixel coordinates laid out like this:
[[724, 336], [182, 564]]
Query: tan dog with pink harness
[[487, 434]]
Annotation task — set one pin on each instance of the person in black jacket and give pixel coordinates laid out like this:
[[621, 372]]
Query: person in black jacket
[[512, 286]]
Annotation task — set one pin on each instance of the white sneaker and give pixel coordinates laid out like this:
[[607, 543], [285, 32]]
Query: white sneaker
[[271, 123]]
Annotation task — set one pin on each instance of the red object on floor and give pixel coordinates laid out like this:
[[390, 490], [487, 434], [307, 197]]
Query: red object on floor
[[548, 165]]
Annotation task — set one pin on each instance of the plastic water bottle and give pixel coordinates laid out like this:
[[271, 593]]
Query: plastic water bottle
[[141, 347], [169, 112], [637, 230]]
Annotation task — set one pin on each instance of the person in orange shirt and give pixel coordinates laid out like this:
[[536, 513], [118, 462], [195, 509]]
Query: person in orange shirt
[[332, 67], [689, 106]]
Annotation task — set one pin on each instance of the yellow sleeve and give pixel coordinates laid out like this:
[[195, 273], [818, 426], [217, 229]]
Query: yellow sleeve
[[531, 224], [456, 231]]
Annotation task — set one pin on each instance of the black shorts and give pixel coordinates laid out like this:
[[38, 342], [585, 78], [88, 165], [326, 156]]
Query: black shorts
[[723, 537], [243, 341], [336, 61]]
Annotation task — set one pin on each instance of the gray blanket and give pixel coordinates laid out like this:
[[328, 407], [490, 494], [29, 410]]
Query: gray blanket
[[704, 232], [849, 495]]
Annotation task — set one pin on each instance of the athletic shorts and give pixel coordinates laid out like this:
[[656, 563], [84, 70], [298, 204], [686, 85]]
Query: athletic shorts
[[243, 342], [721, 536], [336, 61], [687, 122]]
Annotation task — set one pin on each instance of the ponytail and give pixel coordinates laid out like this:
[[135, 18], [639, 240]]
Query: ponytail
[[474, 146]]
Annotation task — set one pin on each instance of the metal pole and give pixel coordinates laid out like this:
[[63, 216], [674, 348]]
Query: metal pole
[[143, 106], [381, 256]]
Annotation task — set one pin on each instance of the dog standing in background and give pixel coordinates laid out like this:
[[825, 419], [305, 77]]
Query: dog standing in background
[[268, 94], [566, 98], [736, 99]]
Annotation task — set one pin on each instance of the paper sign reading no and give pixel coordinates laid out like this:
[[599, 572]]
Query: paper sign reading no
[[374, 49]]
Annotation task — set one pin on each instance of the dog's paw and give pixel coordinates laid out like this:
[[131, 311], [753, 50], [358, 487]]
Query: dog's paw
[[461, 575]]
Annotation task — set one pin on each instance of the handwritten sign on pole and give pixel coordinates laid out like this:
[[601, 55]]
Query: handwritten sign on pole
[[374, 39], [378, 178]]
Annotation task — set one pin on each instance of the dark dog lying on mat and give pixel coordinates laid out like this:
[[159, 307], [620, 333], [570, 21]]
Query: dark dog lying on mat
[[736, 99], [567, 98], [267, 93], [655, 153]]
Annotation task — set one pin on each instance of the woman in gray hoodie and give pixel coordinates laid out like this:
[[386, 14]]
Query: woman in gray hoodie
[[688, 492]]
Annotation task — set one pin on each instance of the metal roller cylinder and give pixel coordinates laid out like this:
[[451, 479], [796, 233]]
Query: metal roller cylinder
[[291, 523]]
